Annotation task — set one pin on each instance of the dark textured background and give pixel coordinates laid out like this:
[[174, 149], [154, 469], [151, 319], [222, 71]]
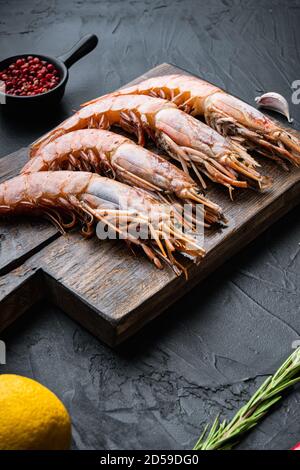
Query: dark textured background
[[212, 349]]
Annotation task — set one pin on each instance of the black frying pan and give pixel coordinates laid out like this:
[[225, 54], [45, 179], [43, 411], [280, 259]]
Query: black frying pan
[[62, 63]]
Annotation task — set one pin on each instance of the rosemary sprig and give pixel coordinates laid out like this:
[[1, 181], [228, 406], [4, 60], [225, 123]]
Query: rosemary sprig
[[224, 436]]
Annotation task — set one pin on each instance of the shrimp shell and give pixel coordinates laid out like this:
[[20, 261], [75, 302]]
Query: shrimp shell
[[118, 157], [193, 144], [88, 198], [225, 113]]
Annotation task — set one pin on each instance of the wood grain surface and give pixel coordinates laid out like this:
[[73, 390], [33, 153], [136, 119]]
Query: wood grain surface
[[100, 284]]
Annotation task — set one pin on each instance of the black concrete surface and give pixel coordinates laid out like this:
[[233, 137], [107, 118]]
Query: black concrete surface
[[212, 349]]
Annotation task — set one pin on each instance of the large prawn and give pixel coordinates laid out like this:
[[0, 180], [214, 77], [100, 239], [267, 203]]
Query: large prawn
[[223, 112], [117, 156], [87, 198], [195, 145]]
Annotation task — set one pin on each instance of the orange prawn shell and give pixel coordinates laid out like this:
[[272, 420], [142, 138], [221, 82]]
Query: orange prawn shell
[[89, 198], [110, 107], [170, 86], [119, 151], [198, 97], [36, 186], [172, 128], [73, 142]]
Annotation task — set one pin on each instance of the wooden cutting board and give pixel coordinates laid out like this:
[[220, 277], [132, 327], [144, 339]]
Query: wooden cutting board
[[101, 284]]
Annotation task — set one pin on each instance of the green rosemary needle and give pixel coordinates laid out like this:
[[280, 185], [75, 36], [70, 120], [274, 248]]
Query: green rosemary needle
[[224, 436]]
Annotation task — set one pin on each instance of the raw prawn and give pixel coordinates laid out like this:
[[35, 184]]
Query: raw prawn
[[195, 145], [223, 112], [69, 197], [117, 156]]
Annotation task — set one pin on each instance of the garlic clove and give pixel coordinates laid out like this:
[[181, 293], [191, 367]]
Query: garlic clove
[[275, 102]]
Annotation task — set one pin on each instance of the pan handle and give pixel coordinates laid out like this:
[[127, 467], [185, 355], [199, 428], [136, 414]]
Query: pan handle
[[83, 47]]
